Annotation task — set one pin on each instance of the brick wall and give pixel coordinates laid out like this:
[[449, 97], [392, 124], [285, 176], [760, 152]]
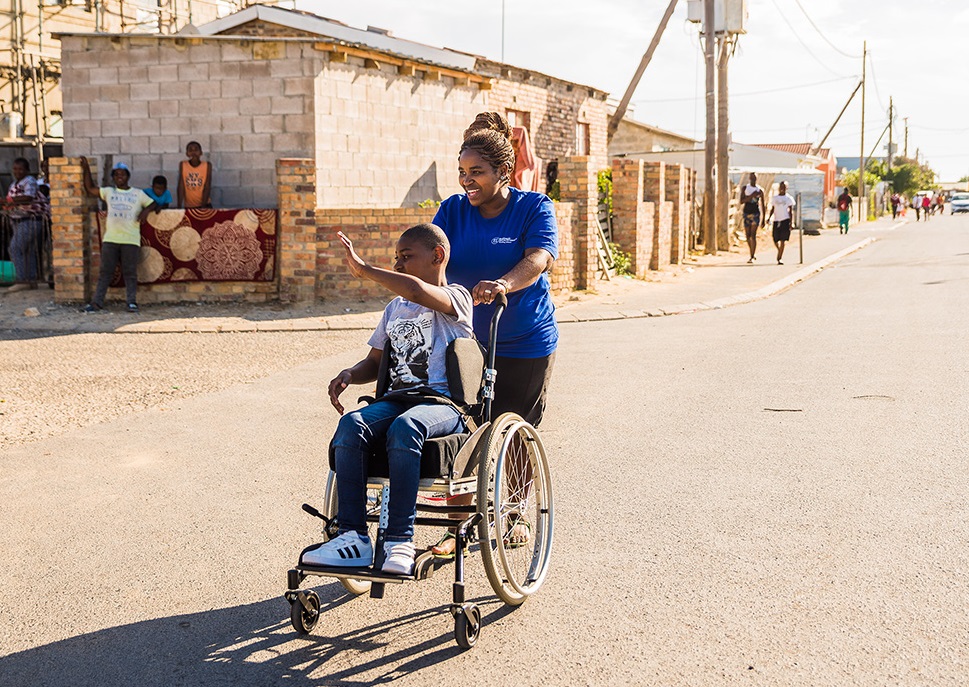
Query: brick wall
[[554, 107], [564, 271], [633, 221], [70, 215], [677, 180], [296, 192], [654, 190], [577, 177]]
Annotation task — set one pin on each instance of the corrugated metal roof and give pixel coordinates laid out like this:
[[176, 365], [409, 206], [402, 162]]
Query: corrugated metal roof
[[378, 39], [797, 148]]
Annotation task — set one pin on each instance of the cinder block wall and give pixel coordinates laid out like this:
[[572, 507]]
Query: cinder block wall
[[141, 99]]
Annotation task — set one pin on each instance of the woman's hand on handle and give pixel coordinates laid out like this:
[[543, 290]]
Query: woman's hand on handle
[[486, 290]]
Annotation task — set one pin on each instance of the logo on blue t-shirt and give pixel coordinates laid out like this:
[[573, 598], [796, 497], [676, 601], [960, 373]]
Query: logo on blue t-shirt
[[503, 239]]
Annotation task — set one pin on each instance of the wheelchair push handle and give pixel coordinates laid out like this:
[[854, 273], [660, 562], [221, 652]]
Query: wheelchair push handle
[[488, 391]]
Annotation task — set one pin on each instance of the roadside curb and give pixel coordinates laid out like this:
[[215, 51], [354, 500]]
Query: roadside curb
[[718, 304]]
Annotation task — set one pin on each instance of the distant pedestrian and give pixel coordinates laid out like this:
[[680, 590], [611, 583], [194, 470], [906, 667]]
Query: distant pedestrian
[[926, 207], [896, 201], [844, 211], [782, 210], [194, 179], [917, 204], [26, 208], [754, 210], [122, 236], [940, 203]]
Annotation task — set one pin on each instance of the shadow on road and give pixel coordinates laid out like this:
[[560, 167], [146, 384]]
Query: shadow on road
[[252, 644]]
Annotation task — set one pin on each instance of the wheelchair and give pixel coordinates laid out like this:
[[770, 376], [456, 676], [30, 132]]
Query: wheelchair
[[498, 470]]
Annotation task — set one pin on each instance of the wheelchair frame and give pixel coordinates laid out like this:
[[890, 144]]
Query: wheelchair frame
[[506, 469]]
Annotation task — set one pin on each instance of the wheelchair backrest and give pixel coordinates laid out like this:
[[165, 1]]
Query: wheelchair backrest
[[464, 365]]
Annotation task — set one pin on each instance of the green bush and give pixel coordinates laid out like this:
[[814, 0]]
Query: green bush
[[622, 262]]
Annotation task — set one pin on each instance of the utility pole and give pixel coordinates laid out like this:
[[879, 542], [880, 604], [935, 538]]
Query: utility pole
[[891, 130], [862, 207], [631, 88], [710, 145], [723, 140], [906, 136]]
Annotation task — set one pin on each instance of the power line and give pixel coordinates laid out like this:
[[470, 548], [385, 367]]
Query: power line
[[874, 81], [801, 40], [833, 46], [737, 95]]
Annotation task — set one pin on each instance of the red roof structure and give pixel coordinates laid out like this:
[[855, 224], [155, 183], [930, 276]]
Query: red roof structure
[[829, 166]]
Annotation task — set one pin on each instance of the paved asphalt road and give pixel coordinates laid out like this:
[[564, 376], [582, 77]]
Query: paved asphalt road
[[771, 494]]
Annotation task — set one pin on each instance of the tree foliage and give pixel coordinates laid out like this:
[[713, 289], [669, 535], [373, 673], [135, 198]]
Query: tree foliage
[[908, 177]]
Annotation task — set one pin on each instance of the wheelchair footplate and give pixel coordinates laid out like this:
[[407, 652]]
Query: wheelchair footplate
[[425, 563]]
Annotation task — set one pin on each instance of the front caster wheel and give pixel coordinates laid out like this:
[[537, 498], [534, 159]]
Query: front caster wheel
[[467, 626], [304, 612]]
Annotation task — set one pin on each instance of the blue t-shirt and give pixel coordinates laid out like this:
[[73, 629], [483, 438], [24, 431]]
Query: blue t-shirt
[[488, 249], [164, 199]]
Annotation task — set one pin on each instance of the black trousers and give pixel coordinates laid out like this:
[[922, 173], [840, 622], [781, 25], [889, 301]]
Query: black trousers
[[111, 254]]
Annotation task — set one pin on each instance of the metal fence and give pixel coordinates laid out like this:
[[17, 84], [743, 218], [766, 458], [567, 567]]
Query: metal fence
[[43, 252]]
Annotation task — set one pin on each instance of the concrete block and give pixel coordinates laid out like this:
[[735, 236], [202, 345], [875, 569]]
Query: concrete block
[[298, 123], [237, 197], [106, 145], [197, 107], [267, 124], [171, 126], [255, 106], [144, 91], [99, 110], [289, 105], [116, 93], [257, 143], [226, 143], [163, 109], [236, 89], [174, 91], [146, 127], [164, 144], [162, 74], [193, 72], [130, 109], [134, 145], [237, 125], [252, 71], [283, 68], [293, 144], [133, 75], [236, 52], [103, 76], [224, 71], [264, 196], [298, 86]]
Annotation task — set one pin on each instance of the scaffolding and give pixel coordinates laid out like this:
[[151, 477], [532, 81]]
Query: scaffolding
[[30, 64]]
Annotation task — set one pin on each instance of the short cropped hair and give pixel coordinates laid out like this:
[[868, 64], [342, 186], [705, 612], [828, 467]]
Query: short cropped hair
[[22, 161], [428, 235], [161, 180]]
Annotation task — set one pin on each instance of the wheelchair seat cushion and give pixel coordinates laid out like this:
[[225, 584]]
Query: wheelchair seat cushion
[[437, 458]]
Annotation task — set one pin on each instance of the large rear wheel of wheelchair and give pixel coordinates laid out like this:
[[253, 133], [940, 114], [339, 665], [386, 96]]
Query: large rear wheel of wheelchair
[[330, 503], [515, 500]]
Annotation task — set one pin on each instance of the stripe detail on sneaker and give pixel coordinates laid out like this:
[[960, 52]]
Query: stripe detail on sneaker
[[349, 552]]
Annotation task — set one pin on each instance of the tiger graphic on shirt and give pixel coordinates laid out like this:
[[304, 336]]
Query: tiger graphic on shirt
[[410, 350]]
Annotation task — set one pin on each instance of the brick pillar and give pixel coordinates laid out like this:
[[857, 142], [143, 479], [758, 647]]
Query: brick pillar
[[70, 209], [677, 177], [654, 187], [578, 185], [632, 225], [296, 193]]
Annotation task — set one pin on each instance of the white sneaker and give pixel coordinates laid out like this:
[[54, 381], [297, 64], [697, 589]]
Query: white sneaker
[[349, 550], [398, 557]]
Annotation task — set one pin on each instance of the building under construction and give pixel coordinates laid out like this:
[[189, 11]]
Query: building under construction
[[30, 65]]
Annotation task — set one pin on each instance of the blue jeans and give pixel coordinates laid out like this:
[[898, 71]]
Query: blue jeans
[[27, 235], [403, 430]]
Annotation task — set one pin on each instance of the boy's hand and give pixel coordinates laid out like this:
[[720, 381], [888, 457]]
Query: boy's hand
[[354, 261], [337, 385]]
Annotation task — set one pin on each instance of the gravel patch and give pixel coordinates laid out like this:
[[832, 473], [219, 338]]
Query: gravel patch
[[52, 384]]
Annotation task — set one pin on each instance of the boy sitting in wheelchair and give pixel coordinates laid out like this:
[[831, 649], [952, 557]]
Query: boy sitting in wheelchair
[[426, 316]]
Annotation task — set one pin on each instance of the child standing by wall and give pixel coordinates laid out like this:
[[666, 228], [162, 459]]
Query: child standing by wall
[[122, 237], [158, 192], [194, 179]]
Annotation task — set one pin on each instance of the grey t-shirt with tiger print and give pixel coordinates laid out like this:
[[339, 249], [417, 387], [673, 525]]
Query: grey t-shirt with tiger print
[[419, 338]]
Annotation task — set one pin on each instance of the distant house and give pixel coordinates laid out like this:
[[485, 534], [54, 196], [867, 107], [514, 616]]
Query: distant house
[[823, 160]]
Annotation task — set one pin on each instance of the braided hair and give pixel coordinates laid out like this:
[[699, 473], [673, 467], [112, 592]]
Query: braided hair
[[489, 120], [494, 148]]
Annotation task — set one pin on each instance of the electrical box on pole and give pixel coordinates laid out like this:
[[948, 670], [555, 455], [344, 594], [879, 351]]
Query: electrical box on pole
[[729, 16]]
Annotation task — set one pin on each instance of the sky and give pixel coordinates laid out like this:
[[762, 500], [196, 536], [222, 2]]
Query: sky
[[791, 73]]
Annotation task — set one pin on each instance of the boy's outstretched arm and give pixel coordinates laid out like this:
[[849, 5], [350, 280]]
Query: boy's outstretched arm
[[361, 373], [407, 286]]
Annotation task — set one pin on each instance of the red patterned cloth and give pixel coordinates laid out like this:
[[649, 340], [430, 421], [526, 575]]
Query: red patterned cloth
[[201, 244]]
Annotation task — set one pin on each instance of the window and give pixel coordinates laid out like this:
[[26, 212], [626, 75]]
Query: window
[[581, 138], [517, 118]]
